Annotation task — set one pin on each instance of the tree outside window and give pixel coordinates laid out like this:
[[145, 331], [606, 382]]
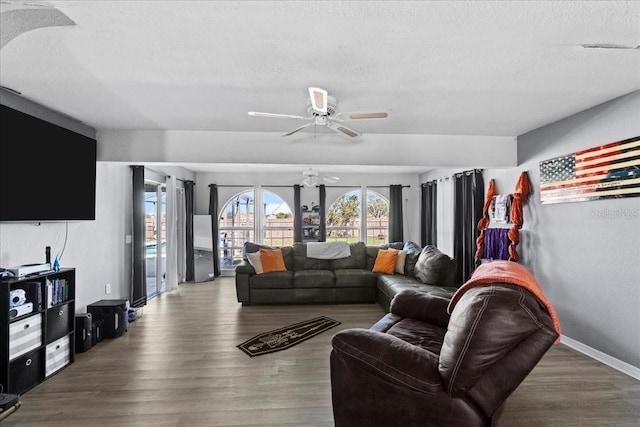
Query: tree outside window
[[343, 218]]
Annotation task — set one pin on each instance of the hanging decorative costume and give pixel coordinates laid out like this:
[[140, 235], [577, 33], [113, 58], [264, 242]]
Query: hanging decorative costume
[[501, 243]]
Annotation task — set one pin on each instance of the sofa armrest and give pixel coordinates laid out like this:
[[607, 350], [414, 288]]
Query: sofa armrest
[[388, 358], [245, 268], [421, 306]]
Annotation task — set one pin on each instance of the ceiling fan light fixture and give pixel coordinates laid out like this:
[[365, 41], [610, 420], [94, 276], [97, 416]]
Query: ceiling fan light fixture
[[310, 181]]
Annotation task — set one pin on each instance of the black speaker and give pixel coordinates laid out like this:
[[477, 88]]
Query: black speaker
[[114, 314], [84, 332], [97, 331]]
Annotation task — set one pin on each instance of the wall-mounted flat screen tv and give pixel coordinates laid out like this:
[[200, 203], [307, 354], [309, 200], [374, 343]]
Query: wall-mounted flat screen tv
[[47, 172]]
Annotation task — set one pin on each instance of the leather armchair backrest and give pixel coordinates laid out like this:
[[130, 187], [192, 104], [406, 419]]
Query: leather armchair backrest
[[496, 335]]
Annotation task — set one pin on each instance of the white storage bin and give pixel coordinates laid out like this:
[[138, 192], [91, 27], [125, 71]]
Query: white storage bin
[[25, 335], [58, 355]]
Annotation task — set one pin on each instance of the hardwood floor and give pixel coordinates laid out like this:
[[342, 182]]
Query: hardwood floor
[[178, 365]]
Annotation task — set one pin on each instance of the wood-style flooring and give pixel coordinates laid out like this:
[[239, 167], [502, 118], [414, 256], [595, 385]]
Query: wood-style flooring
[[178, 365]]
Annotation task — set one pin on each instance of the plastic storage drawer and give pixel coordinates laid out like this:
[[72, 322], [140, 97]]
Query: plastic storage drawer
[[25, 335]]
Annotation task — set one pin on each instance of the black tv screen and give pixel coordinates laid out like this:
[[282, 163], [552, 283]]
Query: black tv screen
[[47, 172]]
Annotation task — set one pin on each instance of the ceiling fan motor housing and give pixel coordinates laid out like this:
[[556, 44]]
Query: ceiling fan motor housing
[[331, 108]]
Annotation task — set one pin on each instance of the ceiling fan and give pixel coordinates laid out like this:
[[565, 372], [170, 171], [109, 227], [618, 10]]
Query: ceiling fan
[[322, 111], [311, 178]]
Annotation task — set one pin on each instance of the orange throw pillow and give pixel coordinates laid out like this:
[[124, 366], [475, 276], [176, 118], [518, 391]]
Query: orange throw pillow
[[385, 261], [272, 260]]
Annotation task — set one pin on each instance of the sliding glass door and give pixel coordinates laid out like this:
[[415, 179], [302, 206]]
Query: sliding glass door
[[155, 237]]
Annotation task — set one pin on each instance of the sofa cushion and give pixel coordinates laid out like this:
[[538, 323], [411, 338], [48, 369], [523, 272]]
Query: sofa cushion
[[433, 266], [255, 260], [355, 278], [301, 262], [392, 285], [385, 261], [272, 260], [400, 261], [357, 259], [274, 280], [287, 252], [422, 334], [313, 279], [413, 252]]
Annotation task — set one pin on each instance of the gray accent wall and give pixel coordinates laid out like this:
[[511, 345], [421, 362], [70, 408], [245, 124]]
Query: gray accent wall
[[585, 255]]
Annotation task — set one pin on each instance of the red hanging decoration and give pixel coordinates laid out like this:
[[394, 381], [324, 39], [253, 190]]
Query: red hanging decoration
[[523, 189], [484, 222]]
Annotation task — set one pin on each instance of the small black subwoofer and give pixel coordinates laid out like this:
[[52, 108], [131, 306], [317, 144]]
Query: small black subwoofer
[[84, 332]]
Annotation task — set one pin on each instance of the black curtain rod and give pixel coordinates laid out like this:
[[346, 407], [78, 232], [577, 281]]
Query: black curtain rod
[[251, 186], [327, 186], [368, 186]]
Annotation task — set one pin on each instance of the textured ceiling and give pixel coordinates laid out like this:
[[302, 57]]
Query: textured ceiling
[[438, 68]]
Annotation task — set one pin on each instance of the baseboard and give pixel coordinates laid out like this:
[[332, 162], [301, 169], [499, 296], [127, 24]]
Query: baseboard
[[617, 364]]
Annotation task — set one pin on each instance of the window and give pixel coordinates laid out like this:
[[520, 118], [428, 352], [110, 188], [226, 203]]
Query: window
[[270, 224], [343, 218]]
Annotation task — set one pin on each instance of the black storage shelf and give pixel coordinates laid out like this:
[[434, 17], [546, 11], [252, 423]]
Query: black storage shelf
[[48, 326]]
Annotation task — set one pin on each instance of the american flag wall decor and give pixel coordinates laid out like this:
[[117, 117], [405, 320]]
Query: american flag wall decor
[[604, 172]]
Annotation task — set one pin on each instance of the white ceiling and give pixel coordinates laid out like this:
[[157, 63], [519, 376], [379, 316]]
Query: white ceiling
[[483, 68]]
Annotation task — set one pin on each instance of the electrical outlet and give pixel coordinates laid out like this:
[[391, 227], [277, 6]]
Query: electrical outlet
[[107, 288]]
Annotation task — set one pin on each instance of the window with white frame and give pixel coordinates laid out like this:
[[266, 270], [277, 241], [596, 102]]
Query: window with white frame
[[345, 213], [249, 217]]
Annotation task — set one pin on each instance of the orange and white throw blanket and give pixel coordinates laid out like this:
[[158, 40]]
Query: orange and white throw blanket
[[502, 271]]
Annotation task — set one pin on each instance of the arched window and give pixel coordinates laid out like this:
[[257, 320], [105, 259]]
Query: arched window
[[269, 222], [344, 214]]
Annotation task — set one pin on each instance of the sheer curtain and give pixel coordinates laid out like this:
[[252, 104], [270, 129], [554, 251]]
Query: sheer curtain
[[444, 215], [171, 272]]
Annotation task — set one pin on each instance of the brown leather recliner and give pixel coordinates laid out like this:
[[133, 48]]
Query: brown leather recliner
[[418, 366]]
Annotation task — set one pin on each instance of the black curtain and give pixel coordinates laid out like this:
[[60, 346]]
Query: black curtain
[[297, 217], [188, 202], [322, 194], [467, 211], [396, 232], [215, 227], [139, 267], [428, 213]]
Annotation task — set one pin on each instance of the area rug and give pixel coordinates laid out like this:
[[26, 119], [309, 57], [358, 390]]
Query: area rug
[[286, 337]]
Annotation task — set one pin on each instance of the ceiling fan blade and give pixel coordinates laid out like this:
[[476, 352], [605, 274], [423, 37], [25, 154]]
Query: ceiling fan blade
[[345, 117], [331, 179], [298, 129], [338, 127], [275, 115], [355, 116], [318, 99]]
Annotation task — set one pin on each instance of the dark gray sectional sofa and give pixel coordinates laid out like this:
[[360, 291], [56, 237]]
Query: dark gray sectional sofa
[[344, 280]]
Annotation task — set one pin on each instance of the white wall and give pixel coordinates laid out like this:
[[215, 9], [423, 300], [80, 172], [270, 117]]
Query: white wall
[[586, 255], [96, 249]]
